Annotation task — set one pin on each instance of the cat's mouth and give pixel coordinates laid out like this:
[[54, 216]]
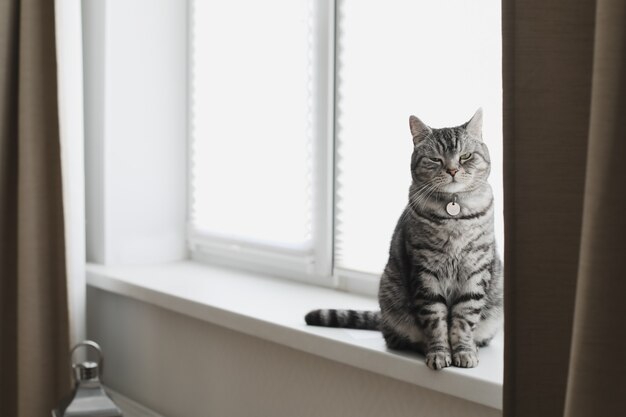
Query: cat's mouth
[[454, 186]]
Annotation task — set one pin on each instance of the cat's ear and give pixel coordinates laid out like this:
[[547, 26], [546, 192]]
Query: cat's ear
[[419, 130], [475, 126]]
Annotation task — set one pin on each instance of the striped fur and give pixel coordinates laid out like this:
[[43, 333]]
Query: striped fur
[[351, 319], [441, 291]]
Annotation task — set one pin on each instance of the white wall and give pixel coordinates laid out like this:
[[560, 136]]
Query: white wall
[[183, 367], [135, 56], [70, 87]]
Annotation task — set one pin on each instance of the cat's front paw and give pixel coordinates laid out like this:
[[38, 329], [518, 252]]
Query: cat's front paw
[[465, 359], [438, 360]]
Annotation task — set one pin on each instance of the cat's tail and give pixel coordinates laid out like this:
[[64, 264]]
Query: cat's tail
[[349, 319]]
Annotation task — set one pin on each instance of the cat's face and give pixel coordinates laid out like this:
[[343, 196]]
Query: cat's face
[[449, 160]]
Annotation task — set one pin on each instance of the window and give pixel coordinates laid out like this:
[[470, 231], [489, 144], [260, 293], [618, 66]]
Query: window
[[300, 144], [437, 60], [252, 123]]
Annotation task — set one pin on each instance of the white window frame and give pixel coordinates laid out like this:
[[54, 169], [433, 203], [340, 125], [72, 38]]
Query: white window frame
[[317, 265], [154, 227]]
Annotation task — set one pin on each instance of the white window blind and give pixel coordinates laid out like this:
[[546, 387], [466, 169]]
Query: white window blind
[[437, 60], [252, 110]]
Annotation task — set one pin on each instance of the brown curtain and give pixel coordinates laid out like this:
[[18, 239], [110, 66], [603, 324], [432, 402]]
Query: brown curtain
[[33, 298], [565, 201]]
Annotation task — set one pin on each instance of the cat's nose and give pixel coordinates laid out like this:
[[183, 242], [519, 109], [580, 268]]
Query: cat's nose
[[452, 171]]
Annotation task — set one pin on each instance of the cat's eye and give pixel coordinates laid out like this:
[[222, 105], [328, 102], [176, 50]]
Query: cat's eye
[[436, 160], [466, 156]]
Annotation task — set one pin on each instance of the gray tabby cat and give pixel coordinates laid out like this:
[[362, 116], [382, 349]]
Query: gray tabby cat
[[441, 291]]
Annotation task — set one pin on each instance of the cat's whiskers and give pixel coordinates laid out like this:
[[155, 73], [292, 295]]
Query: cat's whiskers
[[416, 196], [433, 191], [420, 202], [422, 189]]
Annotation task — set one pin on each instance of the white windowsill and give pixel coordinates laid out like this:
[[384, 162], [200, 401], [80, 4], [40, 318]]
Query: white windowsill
[[274, 309]]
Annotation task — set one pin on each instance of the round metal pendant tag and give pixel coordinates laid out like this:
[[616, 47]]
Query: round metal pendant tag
[[453, 208]]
